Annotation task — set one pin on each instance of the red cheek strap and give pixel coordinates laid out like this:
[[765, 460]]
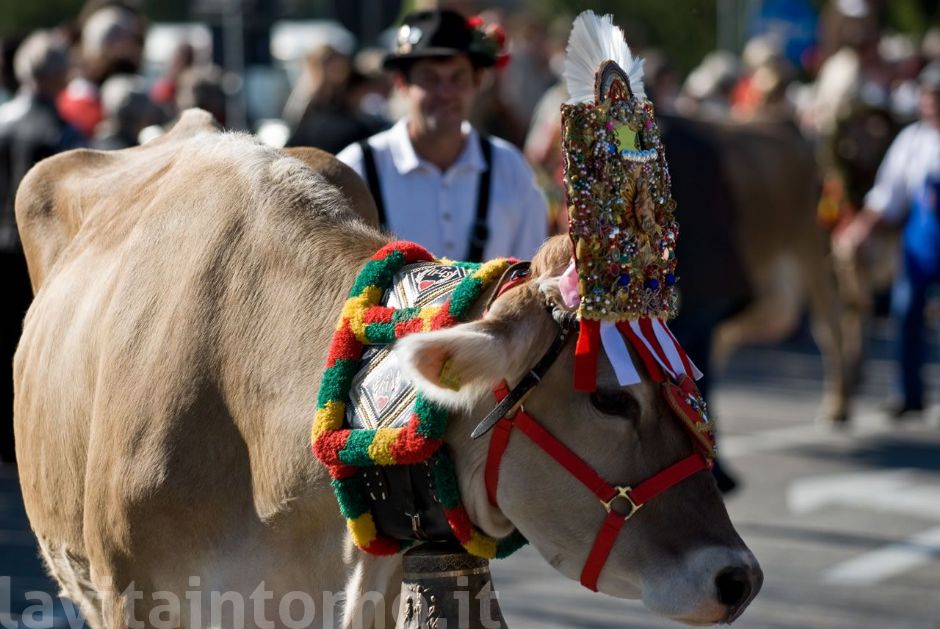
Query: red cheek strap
[[620, 502]]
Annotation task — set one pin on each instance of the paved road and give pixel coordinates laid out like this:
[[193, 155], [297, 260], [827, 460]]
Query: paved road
[[845, 524]]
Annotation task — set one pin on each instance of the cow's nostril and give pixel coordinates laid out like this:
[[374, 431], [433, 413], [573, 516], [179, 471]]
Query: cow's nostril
[[734, 587]]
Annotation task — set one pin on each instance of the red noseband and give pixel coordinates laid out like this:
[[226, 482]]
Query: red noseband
[[620, 502]]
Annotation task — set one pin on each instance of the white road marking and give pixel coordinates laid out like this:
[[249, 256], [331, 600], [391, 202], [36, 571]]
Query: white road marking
[[887, 562], [892, 491], [866, 425]]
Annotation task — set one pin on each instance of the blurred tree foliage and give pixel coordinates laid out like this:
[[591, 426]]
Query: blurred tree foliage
[[911, 16], [19, 17], [685, 29]]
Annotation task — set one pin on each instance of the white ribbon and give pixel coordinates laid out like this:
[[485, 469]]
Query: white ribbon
[[619, 356]]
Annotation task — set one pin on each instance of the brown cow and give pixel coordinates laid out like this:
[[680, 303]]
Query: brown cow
[[186, 293], [773, 176]]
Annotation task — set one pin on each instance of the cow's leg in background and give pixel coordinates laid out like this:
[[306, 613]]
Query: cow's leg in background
[[772, 314], [818, 276]]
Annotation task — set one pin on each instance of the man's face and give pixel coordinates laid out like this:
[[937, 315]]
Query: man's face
[[930, 106], [440, 92]]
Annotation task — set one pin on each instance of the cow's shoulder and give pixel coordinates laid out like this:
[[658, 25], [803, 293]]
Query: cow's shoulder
[[58, 194], [344, 178], [193, 169]]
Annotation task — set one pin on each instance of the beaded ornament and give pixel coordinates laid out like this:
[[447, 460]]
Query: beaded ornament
[[620, 207], [364, 321]]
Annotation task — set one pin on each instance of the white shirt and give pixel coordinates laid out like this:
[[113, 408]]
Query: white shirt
[[914, 157], [437, 209]]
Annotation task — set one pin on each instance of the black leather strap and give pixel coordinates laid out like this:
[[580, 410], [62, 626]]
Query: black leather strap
[[372, 180], [480, 232], [517, 272], [404, 503], [522, 390]]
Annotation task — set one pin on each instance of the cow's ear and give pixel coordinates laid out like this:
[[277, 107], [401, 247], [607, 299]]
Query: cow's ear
[[456, 366]]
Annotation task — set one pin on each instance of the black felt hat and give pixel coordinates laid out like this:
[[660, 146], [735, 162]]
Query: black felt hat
[[440, 33]]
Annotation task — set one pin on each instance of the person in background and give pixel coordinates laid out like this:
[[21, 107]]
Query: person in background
[[201, 86], [128, 110], [370, 95], [706, 92], [112, 40], [323, 109], [30, 130], [163, 91], [8, 82], [906, 194], [435, 180]]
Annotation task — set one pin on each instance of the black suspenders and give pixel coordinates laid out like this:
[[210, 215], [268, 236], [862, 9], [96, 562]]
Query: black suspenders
[[372, 180], [479, 232]]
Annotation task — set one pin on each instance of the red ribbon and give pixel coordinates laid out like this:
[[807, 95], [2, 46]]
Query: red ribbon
[[586, 354]]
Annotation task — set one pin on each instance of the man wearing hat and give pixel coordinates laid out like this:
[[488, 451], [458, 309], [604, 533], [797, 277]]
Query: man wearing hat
[[435, 179], [907, 195]]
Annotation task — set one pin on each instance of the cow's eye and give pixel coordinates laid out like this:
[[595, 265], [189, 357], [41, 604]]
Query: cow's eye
[[618, 403]]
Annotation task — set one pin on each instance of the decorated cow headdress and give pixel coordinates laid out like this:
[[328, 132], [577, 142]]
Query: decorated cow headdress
[[620, 286], [620, 210]]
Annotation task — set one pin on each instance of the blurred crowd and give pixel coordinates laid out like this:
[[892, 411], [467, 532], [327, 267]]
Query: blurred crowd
[[859, 79]]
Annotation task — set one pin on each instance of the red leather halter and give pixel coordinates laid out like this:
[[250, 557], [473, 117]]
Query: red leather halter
[[619, 501]]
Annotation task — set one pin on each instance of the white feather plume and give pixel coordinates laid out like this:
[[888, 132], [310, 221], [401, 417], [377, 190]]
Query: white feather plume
[[595, 39]]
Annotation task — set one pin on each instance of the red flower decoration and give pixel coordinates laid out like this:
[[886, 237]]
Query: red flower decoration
[[489, 39]]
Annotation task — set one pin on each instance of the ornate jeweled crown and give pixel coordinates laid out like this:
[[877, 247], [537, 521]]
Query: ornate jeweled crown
[[620, 208]]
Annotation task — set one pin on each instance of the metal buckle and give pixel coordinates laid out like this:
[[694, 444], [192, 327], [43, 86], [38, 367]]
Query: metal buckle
[[622, 492], [416, 525]]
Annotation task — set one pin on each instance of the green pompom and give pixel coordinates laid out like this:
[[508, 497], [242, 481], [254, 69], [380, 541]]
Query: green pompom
[[356, 451], [432, 418], [380, 333], [464, 296], [351, 496], [336, 381]]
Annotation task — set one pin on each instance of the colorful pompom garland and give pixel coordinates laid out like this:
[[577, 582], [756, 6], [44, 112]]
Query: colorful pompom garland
[[343, 450]]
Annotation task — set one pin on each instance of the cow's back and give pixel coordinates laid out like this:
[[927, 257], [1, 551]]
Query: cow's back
[[186, 293]]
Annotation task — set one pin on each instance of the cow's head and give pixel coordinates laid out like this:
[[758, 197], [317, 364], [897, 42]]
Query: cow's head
[[679, 553]]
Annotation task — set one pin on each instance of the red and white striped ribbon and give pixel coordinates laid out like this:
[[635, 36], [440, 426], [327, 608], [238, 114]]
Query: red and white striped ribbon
[[660, 343]]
